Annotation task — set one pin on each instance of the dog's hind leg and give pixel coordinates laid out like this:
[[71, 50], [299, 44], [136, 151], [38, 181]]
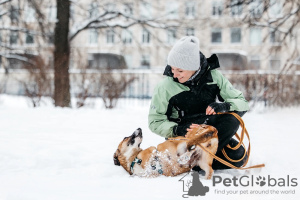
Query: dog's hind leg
[[183, 155], [206, 165], [181, 148]]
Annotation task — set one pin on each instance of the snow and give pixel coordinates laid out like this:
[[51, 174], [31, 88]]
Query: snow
[[62, 153]]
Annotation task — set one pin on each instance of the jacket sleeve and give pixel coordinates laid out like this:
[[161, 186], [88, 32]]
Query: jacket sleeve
[[229, 93], [157, 118]]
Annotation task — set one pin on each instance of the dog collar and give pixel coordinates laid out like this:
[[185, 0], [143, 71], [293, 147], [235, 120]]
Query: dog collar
[[136, 160]]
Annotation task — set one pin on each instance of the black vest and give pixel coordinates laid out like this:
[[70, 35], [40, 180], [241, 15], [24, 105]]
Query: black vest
[[201, 94]]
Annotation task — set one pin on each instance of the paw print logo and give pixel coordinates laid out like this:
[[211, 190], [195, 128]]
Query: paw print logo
[[261, 181]]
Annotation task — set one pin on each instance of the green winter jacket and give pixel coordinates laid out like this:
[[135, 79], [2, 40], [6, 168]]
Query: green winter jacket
[[172, 99]]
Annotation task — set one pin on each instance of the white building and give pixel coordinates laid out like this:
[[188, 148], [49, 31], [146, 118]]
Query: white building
[[220, 29]]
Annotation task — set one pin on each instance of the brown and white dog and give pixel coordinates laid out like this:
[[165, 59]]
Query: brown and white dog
[[172, 157]]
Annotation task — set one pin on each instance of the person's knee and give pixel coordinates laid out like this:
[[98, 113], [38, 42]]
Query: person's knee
[[232, 120], [227, 121]]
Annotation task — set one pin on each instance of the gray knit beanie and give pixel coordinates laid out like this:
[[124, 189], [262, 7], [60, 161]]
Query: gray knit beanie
[[185, 54]]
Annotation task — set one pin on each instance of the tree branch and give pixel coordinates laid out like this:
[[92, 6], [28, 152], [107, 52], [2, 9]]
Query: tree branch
[[103, 21], [17, 57], [4, 1]]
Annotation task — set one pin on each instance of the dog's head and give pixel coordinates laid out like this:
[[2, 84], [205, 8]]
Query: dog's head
[[203, 131], [128, 147], [201, 134]]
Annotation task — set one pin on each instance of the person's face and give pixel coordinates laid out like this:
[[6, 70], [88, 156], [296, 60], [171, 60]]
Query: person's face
[[182, 75]]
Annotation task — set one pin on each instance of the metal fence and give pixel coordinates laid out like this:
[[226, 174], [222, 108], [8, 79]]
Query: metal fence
[[270, 87]]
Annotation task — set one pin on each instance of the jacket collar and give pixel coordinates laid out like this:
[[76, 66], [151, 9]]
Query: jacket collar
[[206, 64]]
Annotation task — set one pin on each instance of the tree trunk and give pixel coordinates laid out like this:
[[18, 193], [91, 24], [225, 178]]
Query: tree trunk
[[62, 55]]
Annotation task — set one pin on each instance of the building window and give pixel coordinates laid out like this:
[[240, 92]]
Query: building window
[[217, 8], [190, 32], [29, 14], [52, 13], [110, 36], [29, 39], [255, 36], [13, 38], [236, 7], [256, 8], [145, 10], [274, 63], [275, 8], [236, 35], [110, 7], [93, 36], [93, 9], [15, 64], [171, 34], [14, 14], [255, 62], [145, 61], [128, 60], [274, 37], [190, 9], [172, 9], [145, 36], [216, 35], [126, 36], [128, 9], [106, 61]]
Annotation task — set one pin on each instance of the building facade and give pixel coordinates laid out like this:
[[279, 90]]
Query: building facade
[[143, 33]]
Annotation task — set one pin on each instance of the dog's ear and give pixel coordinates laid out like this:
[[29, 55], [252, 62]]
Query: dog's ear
[[209, 134], [116, 160]]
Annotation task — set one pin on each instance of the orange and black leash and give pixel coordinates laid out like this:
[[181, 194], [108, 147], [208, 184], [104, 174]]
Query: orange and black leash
[[240, 139]]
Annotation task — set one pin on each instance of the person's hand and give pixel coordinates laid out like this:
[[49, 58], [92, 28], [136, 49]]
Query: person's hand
[[215, 107], [210, 111], [192, 126]]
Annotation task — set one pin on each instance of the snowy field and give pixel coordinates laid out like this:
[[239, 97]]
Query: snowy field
[[52, 153]]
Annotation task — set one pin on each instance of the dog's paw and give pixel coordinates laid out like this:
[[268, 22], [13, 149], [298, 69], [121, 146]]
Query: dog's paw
[[184, 159]]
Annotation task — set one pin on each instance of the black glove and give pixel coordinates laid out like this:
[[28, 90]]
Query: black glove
[[179, 130], [220, 107]]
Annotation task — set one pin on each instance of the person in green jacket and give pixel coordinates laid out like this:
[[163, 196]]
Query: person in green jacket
[[192, 93]]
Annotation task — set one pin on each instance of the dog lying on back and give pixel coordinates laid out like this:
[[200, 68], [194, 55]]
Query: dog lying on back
[[172, 157]]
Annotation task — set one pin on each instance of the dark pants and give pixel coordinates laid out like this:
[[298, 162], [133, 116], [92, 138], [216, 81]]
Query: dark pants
[[227, 125]]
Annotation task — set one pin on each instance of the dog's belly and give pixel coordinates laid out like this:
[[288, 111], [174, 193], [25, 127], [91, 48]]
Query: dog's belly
[[169, 156], [170, 165]]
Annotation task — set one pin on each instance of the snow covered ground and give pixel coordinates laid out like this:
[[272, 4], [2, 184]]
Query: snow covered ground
[[61, 154]]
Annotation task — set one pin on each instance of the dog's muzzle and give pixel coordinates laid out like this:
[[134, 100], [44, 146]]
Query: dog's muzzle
[[136, 134]]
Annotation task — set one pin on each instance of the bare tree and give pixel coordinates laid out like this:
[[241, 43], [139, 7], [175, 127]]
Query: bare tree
[[281, 17], [107, 18], [101, 17], [38, 84], [113, 86], [62, 55], [87, 86]]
